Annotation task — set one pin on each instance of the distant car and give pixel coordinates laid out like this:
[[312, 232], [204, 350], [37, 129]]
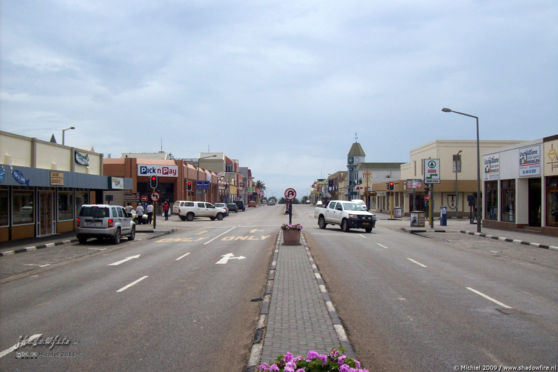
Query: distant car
[[319, 203], [224, 206], [252, 203], [232, 207], [271, 202], [264, 201], [240, 205], [104, 221]]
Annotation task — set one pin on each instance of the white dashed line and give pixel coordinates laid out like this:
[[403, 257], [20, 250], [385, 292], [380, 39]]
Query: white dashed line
[[132, 284], [383, 246], [416, 262], [362, 235], [181, 257], [489, 298], [17, 346]]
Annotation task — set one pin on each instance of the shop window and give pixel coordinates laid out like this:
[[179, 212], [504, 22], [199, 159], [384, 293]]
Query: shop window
[[23, 205], [491, 192], [82, 197], [508, 201], [552, 201], [65, 205], [4, 204]]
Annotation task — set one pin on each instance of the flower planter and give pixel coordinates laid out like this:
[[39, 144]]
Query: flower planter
[[291, 237]]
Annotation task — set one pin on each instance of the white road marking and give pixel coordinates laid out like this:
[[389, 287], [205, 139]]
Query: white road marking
[[125, 260], [181, 257], [362, 236], [229, 256], [330, 307], [132, 284], [383, 246], [416, 262], [97, 249], [489, 298], [17, 346], [220, 235], [341, 332]]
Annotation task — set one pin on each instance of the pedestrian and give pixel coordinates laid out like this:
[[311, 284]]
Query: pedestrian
[[129, 208], [166, 209], [139, 212], [149, 213]]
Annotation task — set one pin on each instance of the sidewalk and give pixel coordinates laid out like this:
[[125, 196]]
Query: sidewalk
[[297, 314]]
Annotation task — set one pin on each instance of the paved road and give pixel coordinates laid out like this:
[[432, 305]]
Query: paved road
[[180, 302], [422, 303]]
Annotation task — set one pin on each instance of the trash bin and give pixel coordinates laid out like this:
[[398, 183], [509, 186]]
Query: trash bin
[[417, 219], [397, 212], [443, 216]]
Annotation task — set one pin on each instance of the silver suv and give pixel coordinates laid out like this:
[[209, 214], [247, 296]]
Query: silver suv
[[104, 221]]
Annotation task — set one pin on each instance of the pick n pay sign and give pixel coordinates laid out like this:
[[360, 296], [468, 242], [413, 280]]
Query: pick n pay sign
[[158, 170]]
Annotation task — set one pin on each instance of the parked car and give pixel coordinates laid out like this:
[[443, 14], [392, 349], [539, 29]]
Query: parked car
[[193, 209], [240, 205], [264, 201], [252, 203], [104, 221], [232, 207], [177, 204], [224, 206]]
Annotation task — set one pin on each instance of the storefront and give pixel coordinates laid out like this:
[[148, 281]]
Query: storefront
[[520, 184]]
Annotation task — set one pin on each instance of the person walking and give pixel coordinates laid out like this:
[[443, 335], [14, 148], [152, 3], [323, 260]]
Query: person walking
[[149, 213], [166, 209], [139, 212]]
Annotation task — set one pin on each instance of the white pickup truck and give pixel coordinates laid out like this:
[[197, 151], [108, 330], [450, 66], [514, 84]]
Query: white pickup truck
[[346, 214]]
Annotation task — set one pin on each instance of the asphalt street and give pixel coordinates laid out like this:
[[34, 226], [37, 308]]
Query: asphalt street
[[439, 301], [179, 302]]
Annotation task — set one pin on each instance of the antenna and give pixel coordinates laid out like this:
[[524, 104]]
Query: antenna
[[356, 137], [161, 144]]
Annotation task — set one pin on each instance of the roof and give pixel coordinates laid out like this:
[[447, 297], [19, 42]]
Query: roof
[[380, 165], [356, 150], [146, 155]]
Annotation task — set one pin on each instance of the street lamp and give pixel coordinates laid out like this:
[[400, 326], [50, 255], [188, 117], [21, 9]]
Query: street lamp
[[64, 130], [457, 166], [445, 109], [198, 174]]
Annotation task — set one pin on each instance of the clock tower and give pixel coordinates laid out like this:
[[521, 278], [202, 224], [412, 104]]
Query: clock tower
[[355, 156]]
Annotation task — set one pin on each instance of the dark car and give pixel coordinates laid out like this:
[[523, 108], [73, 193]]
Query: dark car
[[240, 205], [232, 207]]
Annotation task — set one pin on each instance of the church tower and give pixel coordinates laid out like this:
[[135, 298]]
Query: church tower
[[355, 156]]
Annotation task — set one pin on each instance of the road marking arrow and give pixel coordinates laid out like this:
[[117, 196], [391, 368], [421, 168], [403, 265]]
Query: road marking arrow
[[229, 256], [124, 260]]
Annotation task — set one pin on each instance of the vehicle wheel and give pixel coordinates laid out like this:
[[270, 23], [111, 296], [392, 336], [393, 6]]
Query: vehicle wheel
[[132, 235], [321, 222], [212, 218], [220, 216], [183, 218], [82, 239], [345, 226], [368, 229], [190, 216], [116, 238]]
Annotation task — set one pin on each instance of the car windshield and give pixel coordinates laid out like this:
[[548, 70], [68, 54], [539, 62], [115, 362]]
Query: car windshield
[[94, 212], [351, 207]]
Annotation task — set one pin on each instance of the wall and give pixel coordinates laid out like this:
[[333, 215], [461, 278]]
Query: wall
[[16, 150], [53, 156]]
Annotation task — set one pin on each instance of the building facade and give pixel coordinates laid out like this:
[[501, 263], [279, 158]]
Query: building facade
[[44, 184], [355, 156]]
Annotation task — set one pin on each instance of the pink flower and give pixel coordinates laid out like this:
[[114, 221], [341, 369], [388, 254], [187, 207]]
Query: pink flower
[[341, 359], [312, 355], [274, 367], [324, 359], [288, 357], [264, 367]]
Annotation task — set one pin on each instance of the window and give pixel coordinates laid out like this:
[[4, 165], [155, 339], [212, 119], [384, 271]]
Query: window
[[65, 205], [491, 207], [332, 205], [121, 212], [94, 212], [508, 201], [4, 203], [552, 201], [82, 197], [114, 212], [23, 207]]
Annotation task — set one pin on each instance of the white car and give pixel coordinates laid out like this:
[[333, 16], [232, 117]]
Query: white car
[[192, 209]]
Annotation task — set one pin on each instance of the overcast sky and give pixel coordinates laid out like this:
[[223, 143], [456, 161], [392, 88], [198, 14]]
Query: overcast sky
[[282, 86]]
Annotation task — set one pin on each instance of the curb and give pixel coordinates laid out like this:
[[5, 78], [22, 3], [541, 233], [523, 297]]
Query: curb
[[502, 238], [418, 231]]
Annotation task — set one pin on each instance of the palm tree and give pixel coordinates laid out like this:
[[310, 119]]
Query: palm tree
[[260, 185]]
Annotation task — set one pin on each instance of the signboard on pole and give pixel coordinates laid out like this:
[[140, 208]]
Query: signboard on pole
[[290, 193], [530, 161], [431, 171], [202, 185], [155, 196]]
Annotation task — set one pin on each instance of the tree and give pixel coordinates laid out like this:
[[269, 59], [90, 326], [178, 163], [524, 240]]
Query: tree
[[260, 185], [304, 199], [282, 201]]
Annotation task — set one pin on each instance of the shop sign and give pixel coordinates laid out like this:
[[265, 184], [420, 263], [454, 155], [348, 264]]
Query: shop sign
[[82, 159], [158, 170], [116, 183], [57, 178], [530, 161], [413, 184], [551, 159], [2, 175], [491, 167], [131, 196], [431, 170], [19, 177]]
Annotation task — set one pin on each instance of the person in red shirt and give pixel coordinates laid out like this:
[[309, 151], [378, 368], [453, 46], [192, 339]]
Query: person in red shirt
[[166, 209]]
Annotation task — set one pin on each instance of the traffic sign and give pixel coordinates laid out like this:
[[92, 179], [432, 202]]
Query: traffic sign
[[155, 196], [290, 193], [144, 198], [431, 170]]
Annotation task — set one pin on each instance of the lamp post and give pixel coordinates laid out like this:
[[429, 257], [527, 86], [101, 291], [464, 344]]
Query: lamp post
[[198, 173], [445, 109], [63, 132], [457, 165]]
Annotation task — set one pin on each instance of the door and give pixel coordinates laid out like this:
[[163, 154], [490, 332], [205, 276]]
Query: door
[[46, 213], [534, 202]]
